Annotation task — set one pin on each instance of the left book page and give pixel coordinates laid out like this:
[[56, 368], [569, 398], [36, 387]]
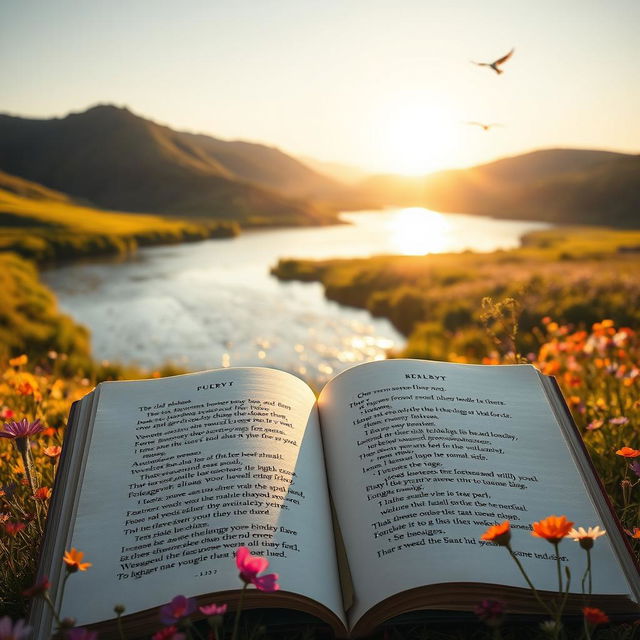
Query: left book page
[[179, 472]]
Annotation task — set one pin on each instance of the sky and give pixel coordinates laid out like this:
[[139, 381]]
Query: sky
[[386, 85]]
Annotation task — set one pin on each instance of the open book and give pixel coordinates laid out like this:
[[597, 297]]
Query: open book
[[161, 480]]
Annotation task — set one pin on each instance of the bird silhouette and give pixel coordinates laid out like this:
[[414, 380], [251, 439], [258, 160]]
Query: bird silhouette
[[486, 126], [495, 65]]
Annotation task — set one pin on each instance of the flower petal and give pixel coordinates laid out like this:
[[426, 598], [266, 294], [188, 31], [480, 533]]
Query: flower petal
[[253, 565], [241, 555], [267, 582]]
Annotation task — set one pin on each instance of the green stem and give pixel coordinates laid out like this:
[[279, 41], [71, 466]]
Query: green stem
[[589, 568], [526, 577], [236, 622], [64, 584], [47, 599], [23, 447], [120, 629], [560, 589], [191, 630], [566, 593]]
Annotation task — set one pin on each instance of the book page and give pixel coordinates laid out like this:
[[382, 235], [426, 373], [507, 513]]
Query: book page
[[423, 456], [181, 471]]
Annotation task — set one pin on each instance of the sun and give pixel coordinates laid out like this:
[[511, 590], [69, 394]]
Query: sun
[[418, 134]]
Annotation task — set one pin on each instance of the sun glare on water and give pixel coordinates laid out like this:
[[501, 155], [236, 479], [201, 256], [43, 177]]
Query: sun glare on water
[[417, 231]]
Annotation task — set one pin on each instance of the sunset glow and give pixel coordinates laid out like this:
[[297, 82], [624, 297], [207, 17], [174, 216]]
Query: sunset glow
[[417, 134], [417, 231], [380, 86]]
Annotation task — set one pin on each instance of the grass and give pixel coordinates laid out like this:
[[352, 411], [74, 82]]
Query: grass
[[47, 226], [576, 275]]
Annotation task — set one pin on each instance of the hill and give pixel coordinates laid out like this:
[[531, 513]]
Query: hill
[[117, 160], [39, 223], [556, 185]]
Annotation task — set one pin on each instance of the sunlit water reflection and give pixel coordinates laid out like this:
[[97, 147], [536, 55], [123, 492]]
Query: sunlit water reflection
[[213, 303]]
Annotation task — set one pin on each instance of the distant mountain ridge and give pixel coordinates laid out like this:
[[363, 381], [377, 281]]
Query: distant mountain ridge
[[117, 160], [577, 186], [111, 158]]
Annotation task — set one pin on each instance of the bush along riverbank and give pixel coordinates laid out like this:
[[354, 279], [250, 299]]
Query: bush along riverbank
[[576, 275]]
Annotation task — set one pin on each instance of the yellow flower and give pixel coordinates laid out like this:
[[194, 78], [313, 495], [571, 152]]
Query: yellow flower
[[19, 361]]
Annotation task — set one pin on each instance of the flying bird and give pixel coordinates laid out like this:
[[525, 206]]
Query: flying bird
[[486, 126], [495, 65]]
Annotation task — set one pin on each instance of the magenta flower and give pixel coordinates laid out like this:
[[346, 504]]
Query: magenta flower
[[250, 566], [10, 631], [213, 609], [179, 607], [37, 589], [620, 420], [22, 429], [80, 633], [168, 633], [635, 467], [491, 612]]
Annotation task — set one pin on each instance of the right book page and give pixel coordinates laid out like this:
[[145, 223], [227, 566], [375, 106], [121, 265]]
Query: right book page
[[423, 456]]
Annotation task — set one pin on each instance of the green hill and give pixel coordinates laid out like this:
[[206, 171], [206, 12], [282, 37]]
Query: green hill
[[43, 224], [556, 185], [116, 160]]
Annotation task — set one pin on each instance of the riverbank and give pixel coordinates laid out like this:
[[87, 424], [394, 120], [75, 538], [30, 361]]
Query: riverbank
[[46, 227], [576, 275]]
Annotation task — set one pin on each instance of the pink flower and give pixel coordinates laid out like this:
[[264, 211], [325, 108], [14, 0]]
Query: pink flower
[[250, 566], [37, 589], [595, 424], [10, 631], [213, 609], [491, 612], [80, 633], [179, 607], [22, 429], [168, 633]]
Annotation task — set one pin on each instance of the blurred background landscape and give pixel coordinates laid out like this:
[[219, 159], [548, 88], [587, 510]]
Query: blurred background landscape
[[310, 186]]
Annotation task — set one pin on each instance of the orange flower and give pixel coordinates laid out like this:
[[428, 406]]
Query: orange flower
[[628, 452], [43, 493], [20, 360], [553, 528], [498, 533], [73, 560], [13, 528], [53, 451], [595, 616], [573, 401], [635, 533]]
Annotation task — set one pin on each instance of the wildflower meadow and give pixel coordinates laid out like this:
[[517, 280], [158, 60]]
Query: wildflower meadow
[[598, 369]]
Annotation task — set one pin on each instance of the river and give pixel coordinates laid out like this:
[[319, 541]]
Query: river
[[214, 304]]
